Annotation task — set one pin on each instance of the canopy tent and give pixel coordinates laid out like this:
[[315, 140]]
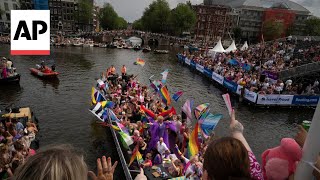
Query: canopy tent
[[245, 46], [218, 48], [232, 47]]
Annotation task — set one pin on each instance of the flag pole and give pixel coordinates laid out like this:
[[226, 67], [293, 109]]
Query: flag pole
[[310, 149]]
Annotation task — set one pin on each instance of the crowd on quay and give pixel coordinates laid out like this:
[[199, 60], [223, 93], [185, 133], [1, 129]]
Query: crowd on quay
[[6, 68], [246, 67], [150, 123], [5, 39], [16, 138]]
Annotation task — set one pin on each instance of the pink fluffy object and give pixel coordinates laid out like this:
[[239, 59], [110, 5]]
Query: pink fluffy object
[[280, 162]]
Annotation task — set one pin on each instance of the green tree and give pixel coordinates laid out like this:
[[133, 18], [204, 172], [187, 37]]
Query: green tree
[[272, 30], [122, 23], [155, 18], [137, 24], [312, 26], [84, 14], [108, 17], [182, 18], [237, 33]]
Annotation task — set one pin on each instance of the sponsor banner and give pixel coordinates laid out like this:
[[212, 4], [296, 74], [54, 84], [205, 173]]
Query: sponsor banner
[[239, 89], [305, 100], [250, 96], [271, 74], [208, 72], [193, 64], [217, 78], [275, 99], [232, 86], [199, 68], [187, 61]]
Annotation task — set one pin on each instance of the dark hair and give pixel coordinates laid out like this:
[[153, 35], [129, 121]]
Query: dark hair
[[227, 158]]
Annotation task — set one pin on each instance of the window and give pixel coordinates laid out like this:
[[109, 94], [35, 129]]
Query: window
[[8, 16], [55, 11], [6, 7]]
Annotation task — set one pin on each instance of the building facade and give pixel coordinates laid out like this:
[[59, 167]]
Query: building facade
[[95, 18], [252, 15], [213, 22], [82, 24], [5, 9]]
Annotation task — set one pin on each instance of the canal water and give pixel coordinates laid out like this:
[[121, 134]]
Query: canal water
[[62, 106]]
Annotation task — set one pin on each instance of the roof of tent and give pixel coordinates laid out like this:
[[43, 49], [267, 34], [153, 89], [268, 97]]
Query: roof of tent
[[218, 47], [245, 46], [232, 47]]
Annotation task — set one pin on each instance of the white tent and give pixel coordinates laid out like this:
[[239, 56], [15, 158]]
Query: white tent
[[232, 47], [245, 46], [218, 48]]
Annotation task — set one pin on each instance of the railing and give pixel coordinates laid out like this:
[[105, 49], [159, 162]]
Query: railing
[[300, 70]]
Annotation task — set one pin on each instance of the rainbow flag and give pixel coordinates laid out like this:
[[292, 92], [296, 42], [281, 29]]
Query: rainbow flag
[[164, 93], [200, 110], [136, 155], [177, 95], [193, 145], [140, 62]]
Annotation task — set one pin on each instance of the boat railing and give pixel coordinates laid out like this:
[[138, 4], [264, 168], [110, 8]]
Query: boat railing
[[120, 153]]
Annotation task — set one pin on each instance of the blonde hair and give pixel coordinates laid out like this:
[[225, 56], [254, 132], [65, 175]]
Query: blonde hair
[[57, 163]]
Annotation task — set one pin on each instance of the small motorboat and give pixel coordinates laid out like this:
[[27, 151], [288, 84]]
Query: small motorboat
[[102, 45], [137, 47], [13, 79], [146, 49], [95, 45], [161, 51], [46, 73], [78, 44]]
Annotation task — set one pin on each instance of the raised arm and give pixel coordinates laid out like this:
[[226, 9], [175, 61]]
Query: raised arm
[[236, 129]]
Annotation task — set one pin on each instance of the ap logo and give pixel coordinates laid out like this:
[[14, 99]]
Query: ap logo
[[30, 32]]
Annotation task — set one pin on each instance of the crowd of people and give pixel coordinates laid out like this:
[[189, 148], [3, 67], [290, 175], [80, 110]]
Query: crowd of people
[[6, 68], [251, 67], [4, 39], [17, 142], [159, 134]]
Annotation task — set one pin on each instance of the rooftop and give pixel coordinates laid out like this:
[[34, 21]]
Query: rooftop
[[283, 4]]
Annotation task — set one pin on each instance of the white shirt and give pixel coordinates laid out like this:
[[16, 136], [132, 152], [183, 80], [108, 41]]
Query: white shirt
[[9, 64], [162, 148]]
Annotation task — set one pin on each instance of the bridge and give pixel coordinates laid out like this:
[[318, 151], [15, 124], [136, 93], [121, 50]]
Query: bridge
[[299, 71], [147, 38]]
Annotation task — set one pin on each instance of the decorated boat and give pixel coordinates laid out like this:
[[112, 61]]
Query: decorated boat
[[88, 44], [137, 47], [13, 79], [25, 116], [44, 73], [146, 49], [161, 51]]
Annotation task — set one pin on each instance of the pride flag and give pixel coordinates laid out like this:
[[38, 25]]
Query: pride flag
[[96, 96], [200, 110], [136, 155], [164, 93], [177, 95], [209, 123], [125, 139], [140, 62], [193, 145], [186, 108], [164, 75]]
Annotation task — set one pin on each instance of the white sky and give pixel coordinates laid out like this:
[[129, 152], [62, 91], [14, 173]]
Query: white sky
[[133, 9]]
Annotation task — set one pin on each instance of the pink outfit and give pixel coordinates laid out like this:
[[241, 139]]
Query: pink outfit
[[255, 168]]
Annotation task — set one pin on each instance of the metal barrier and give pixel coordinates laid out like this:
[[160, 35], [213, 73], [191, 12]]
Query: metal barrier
[[300, 70]]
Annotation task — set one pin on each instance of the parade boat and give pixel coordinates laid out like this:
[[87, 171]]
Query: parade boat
[[46, 73], [137, 47], [13, 79], [88, 44], [146, 49], [161, 51], [102, 45], [23, 115], [96, 45]]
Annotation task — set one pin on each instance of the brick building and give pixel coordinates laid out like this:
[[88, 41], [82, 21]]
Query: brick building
[[213, 22]]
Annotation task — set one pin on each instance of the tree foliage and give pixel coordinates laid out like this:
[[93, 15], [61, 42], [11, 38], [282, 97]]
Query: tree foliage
[[84, 14], [137, 24], [182, 18], [155, 18], [272, 30], [110, 20], [312, 27]]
